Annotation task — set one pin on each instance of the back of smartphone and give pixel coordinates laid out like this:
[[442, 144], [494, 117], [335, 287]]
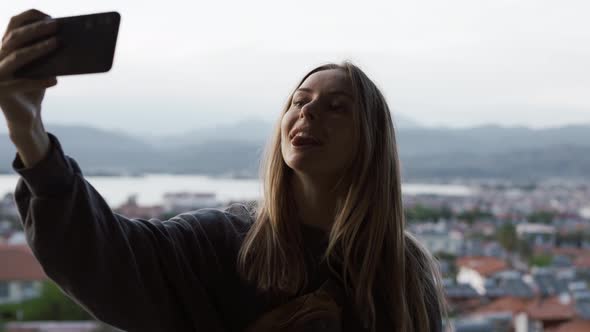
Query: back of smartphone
[[86, 44]]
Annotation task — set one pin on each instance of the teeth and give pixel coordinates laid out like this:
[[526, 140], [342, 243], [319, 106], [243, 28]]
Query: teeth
[[306, 135], [302, 134]]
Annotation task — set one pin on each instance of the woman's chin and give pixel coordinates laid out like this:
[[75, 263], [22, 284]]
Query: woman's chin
[[303, 164], [305, 147], [304, 159]]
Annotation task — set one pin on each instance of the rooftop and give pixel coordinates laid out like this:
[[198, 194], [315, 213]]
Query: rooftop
[[576, 325], [504, 304], [20, 262], [551, 309], [485, 266]]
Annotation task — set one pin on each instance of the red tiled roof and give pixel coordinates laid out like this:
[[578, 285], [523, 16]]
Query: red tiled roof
[[549, 309], [570, 251], [576, 325], [582, 262], [18, 263], [512, 304], [485, 266]]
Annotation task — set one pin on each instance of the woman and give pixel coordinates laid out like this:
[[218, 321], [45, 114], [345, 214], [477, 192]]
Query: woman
[[331, 210]]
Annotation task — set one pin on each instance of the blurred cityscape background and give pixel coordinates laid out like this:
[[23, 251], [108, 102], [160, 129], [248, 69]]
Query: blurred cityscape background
[[492, 115], [508, 221]]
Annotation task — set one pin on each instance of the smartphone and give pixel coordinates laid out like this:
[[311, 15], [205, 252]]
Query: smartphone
[[86, 45]]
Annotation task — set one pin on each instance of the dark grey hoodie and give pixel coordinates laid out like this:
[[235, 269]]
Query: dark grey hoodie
[[147, 275]]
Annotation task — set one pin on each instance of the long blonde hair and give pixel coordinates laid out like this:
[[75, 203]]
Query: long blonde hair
[[368, 237]]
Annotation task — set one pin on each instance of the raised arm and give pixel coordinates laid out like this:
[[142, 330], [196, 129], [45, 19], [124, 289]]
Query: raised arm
[[135, 274], [131, 273]]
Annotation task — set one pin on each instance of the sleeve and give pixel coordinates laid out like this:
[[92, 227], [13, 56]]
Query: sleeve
[[134, 274]]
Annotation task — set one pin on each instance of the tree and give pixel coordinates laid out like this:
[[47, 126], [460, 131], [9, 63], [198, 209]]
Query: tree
[[472, 215], [421, 213], [544, 217], [52, 304], [541, 260], [507, 237], [524, 249]]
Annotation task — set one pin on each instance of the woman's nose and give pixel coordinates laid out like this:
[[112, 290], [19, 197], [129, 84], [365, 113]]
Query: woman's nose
[[309, 109]]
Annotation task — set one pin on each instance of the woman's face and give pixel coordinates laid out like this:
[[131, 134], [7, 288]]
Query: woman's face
[[323, 107]]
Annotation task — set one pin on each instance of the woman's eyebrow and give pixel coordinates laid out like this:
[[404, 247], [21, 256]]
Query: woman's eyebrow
[[333, 92]]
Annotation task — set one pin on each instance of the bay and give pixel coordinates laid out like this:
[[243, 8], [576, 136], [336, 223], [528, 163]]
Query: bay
[[150, 188]]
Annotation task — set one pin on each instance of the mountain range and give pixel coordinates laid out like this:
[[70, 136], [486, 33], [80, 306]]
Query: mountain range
[[514, 153]]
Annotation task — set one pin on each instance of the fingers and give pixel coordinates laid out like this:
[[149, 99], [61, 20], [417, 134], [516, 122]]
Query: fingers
[[21, 31], [10, 87], [13, 61], [24, 18], [24, 35]]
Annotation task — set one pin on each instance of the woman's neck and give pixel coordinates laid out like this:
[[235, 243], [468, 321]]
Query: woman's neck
[[315, 200]]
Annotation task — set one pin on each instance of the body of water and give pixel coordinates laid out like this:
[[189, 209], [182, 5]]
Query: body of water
[[151, 188]]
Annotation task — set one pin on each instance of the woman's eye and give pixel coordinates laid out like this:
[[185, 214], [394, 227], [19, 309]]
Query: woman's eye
[[336, 107], [298, 103]]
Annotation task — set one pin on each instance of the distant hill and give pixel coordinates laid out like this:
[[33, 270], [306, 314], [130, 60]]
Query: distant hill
[[248, 130], [486, 151], [401, 121], [252, 130], [95, 149], [556, 161], [488, 139]]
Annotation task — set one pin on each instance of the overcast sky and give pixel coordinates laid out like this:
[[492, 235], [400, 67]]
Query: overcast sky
[[181, 65]]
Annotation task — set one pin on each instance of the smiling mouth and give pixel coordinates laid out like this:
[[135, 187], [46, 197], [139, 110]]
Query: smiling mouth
[[301, 141]]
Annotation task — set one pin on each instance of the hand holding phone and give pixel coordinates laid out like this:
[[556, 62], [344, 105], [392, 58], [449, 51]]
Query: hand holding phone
[[85, 44], [35, 49], [28, 37]]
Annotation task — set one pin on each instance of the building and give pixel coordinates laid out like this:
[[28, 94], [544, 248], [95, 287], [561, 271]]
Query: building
[[512, 307], [8, 206], [21, 275], [551, 312], [461, 298], [187, 201], [538, 235], [132, 210], [576, 325], [476, 271], [438, 238], [496, 322], [507, 283], [549, 283]]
